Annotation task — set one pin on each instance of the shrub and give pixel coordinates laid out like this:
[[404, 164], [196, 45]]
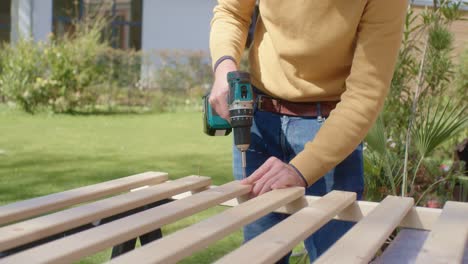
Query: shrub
[[423, 115], [59, 74], [462, 75], [21, 71], [73, 68]]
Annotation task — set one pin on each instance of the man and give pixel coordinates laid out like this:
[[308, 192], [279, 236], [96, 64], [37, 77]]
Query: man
[[321, 70]]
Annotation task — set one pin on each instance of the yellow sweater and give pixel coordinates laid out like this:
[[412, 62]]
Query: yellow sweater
[[318, 50]]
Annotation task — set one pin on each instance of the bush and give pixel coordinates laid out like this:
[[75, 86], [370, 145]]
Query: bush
[[462, 75], [60, 74], [411, 146], [64, 77], [21, 68], [75, 70]]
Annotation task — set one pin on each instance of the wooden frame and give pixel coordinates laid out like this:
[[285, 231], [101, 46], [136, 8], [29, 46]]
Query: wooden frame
[[445, 243]]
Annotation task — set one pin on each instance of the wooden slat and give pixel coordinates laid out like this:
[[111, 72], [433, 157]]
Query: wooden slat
[[191, 239], [421, 218], [417, 218], [37, 228], [446, 242], [404, 248], [85, 243], [360, 244], [44, 204], [276, 242]]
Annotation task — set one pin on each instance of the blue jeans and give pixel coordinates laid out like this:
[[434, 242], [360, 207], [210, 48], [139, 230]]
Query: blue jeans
[[284, 137]]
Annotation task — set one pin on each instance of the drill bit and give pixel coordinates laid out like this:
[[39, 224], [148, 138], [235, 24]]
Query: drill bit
[[244, 164]]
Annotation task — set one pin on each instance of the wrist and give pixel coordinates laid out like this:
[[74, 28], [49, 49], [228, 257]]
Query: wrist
[[299, 174], [224, 65]]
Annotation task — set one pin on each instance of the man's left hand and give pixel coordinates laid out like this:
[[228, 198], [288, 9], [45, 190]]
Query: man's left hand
[[273, 174]]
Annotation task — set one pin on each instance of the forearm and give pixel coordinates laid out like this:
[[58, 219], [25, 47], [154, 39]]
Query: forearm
[[378, 41], [229, 28]]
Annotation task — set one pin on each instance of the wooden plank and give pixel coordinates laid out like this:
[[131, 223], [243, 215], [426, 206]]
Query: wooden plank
[[360, 244], [465, 256], [183, 243], [404, 247], [447, 240], [48, 203], [74, 247], [37, 228], [421, 218], [417, 218], [276, 242]]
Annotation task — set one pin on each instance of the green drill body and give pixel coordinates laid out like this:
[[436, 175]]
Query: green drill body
[[240, 103]]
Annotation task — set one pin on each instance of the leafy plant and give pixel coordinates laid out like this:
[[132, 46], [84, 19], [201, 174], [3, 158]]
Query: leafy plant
[[418, 116], [435, 127], [462, 75], [19, 79], [59, 74]]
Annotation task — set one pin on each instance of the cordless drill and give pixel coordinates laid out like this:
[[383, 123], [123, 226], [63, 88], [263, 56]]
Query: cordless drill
[[240, 103]]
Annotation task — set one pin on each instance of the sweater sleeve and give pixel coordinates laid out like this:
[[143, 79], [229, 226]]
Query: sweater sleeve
[[229, 28], [377, 43]]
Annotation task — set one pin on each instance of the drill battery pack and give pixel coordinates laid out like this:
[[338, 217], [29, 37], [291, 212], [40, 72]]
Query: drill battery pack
[[213, 124]]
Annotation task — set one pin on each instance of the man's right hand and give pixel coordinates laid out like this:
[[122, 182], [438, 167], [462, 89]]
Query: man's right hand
[[220, 90]]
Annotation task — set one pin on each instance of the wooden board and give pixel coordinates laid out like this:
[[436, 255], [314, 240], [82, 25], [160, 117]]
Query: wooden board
[[360, 244], [404, 248], [40, 227], [44, 204], [418, 217], [447, 240], [185, 242], [85, 243], [276, 242]]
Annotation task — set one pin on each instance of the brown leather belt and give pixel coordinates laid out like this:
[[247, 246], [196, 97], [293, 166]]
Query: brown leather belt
[[313, 109]]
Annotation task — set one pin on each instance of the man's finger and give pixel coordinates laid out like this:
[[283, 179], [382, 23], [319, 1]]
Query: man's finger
[[258, 186], [219, 103], [223, 110], [267, 185], [281, 183], [257, 174]]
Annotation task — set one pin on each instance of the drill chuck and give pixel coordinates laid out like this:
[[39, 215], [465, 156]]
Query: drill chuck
[[242, 138], [240, 102]]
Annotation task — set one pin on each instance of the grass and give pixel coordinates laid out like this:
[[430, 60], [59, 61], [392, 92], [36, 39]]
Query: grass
[[44, 153]]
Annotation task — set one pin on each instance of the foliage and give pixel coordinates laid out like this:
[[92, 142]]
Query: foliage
[[20, 67], [73, 70], [462, 75], [420, 116], [64, 77], [57, 74]]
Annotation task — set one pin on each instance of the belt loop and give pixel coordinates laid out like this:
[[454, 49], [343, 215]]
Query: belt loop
[[319, 113], [259, 102]]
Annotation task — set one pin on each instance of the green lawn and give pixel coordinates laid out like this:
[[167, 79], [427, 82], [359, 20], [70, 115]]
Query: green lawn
[[42, 154]]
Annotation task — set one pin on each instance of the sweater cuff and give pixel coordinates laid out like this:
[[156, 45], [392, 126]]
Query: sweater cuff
[[223, 58], [310, 166], [300, 174]]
